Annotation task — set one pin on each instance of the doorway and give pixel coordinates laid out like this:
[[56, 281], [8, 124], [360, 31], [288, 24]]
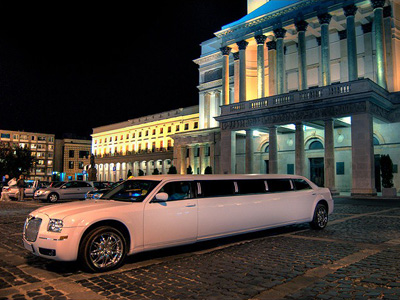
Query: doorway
[[317, 171], [378, 172]]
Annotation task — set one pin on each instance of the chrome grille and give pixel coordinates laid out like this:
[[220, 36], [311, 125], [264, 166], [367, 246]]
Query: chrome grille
[[31, 228]]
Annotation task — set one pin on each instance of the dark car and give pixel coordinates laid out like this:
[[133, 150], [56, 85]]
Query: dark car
[[96, 194]]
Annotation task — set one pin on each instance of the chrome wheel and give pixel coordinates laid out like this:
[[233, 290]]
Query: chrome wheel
[[106, 250], [320, 219], [103, 249], [53, 198]]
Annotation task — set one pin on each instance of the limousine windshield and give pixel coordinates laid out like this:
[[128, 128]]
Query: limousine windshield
[[131, 190]]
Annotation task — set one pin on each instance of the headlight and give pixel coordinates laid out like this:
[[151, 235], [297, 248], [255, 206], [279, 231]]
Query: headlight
[[55, 225], [97, 196]]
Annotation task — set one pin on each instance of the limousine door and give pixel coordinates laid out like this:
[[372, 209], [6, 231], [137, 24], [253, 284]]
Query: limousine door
[[173, 221]]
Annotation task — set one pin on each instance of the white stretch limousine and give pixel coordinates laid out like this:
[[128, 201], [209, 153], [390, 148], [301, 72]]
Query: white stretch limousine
[[153, 212]]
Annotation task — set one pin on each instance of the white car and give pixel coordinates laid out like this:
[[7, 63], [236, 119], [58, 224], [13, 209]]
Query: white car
[[30, 188], [153, 212]]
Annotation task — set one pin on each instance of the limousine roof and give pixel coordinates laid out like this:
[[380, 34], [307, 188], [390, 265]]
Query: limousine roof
[[216, 177]]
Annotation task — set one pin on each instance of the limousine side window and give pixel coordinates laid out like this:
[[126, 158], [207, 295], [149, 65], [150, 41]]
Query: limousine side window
[[177, 190], [251, 186], [301, 184], [279, 185], [215, 188]]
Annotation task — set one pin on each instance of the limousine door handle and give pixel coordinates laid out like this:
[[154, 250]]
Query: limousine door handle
[[191, 205]]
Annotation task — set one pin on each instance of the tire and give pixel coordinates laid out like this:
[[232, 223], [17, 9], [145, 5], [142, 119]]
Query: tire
[[53, 198], [320, 219], [103, 249]]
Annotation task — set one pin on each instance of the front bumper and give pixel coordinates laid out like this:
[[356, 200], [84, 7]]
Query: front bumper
[[61, 246]]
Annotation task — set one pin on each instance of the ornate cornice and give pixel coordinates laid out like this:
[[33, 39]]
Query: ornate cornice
[[257, 21], [208, 58], [280, 33]]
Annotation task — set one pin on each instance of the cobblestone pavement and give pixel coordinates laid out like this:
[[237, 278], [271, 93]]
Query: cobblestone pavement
[[355, 257]]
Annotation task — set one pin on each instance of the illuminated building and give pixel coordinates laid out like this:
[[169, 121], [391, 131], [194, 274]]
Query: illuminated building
[[302, 86], [141, 145], [41, 146], [72, 156]]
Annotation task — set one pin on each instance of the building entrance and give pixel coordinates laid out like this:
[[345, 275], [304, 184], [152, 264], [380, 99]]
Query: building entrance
[[317, 171]]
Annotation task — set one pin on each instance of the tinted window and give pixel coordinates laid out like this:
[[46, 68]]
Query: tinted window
[[178, 190], [301, 184], [251, 186], [131, 190], [213, 188], [279, 185]]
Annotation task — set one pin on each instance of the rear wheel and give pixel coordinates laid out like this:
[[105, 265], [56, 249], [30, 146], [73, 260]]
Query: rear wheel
[[52, 198], [320, 219], [103, 249]]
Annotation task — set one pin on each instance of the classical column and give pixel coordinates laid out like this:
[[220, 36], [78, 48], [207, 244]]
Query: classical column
[[273, 150], [228, 152], [349, 12], [324, 20], [299, 150], [301, 27], [192, 162], [387, 23], [368, 58], [236, 77], [362, 152], [242, 70], [344, 74], [271, 68], [329, 159], [260, 65], [225, 74], [249, 152], [280, 60], [379, 42]]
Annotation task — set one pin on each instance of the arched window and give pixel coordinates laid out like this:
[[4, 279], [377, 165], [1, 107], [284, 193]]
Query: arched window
[[316, 145], [266, 149], [376, 141]]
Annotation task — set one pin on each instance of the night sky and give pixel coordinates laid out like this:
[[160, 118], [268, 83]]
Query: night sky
[[67, 67]]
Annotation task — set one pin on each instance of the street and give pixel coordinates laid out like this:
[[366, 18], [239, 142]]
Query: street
[[356, 256]]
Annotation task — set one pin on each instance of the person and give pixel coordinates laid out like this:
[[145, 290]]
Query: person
[[21, 187]]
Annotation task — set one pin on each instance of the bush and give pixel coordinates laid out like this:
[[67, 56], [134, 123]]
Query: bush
[[189, 170], [172, 170], [141, 173], [208, 170]]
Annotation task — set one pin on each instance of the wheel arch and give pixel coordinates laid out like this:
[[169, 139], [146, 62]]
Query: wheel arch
[[112, 223]]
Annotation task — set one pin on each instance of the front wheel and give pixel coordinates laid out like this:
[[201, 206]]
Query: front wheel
[[52, 198], [320, 219], [103, 249]]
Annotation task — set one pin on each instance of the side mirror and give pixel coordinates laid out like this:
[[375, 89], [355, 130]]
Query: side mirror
[[63, 187], [162, 197]]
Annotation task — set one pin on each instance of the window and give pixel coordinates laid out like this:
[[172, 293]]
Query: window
[[169, 143], [70, 164], [340, 168], [169, 129], [177, 128], [5, 135], [290, 169], [207, 151], [147, 133], [140, 134], [178, 190], [316, 145], [197, 152], [83, 154], [154, 132], [215, 188], [301, 184], [196, 125], [161, 130], [251, 186], [41, 138], [80, 165], [279, 185], [127, 136], [186, 126], [71, 153], [131, 190]]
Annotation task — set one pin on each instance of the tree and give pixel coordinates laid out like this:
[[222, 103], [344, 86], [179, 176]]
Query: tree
[[172, 170], [129, 174], [156, 172], [208, 170], [141, 173], [189, 170], [15, 160], [386, 171]]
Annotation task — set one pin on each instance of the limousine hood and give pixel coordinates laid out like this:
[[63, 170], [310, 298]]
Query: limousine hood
[[61, 211]]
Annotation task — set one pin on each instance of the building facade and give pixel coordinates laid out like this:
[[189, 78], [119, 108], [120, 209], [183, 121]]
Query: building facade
[[72, 156], [302, 87], [41, 146], [140, 146]]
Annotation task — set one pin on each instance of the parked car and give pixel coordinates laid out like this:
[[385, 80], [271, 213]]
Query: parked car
[[29, 190], [67, 190], [96, 194], [153, 212]]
